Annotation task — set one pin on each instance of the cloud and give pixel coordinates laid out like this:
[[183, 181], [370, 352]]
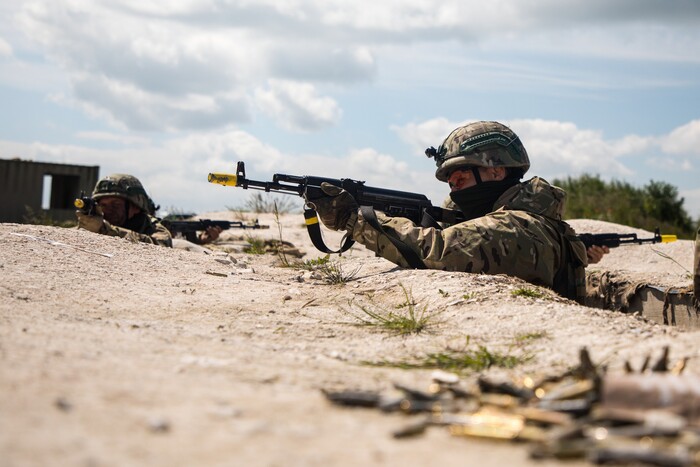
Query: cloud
[[296, 106], [426, 134], [556, 149], [160, 65], [684, 140], [692, 202], [5, 48], [123, 103]]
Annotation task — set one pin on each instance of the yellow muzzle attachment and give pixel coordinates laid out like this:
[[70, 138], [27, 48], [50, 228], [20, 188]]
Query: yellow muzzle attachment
[[222, 179]]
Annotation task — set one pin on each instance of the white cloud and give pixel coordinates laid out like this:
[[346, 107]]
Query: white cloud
[[426, 134], [198, 64], [296, 106], [125, 139], [684, 140], [125, 103], [5, 48], [555, 148]]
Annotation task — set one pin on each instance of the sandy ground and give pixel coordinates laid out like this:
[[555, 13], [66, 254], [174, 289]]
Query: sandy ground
[[115, 354]]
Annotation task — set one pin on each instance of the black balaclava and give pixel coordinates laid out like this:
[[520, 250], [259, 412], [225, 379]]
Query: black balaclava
[[478, 200]]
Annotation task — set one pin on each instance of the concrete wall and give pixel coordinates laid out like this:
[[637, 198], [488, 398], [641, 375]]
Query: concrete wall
[[22, 186]]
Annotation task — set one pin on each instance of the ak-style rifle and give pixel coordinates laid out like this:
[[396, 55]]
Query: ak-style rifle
[[189, 229]]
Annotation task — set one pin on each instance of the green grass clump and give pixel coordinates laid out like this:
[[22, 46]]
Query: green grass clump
[[527, 292], [311, 264], [334, 273], [410, 320], [256, 246], [458, 361]]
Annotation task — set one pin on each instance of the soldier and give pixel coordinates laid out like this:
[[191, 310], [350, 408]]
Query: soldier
[[511, 228], [124, 210]]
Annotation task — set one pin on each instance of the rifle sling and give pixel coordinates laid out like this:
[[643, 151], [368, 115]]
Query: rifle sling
[[314, 230], [409, 255]]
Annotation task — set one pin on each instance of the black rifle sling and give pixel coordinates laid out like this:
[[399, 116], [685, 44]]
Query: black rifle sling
[[314, 230], [565, 277], [409, 255], [428, 220]]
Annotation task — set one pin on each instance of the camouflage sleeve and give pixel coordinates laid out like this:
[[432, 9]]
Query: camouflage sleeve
[[503, 242], [155, 233]]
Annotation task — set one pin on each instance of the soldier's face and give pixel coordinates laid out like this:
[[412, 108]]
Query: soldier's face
[[114, 210], [461, 179]]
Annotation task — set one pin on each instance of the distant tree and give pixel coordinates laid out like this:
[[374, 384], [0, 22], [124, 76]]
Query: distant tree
[[655, 205]]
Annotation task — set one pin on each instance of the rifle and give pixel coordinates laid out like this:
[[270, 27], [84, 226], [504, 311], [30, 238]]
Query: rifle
[[189, 229], [613, 240], [85, 204], [414, 206]]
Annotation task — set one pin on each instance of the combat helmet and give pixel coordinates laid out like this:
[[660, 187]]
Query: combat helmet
[[126, 187], [482, 144]]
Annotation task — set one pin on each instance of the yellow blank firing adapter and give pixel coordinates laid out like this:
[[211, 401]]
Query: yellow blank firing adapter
[[222, 179], [79, 203], [668, 238]]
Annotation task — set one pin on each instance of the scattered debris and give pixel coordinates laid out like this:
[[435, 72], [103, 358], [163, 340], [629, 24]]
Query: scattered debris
[[650, 417]]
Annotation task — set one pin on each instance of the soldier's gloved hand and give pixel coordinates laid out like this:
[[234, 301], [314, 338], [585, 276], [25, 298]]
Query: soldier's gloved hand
[[337, 210], [93, 223]]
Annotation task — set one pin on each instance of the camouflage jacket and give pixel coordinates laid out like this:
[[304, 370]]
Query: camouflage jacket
[[141, 228], [524, 236]]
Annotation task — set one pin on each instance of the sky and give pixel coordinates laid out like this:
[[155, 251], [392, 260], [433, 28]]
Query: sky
[[170, 90]]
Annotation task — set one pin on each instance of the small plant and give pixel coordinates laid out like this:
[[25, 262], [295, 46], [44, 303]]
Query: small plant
[[280, 249], [689, 274], [333, 272], [530, 336], [238, 213], [443, 293], [527, 292], [410, 321], [256, 246], [469, 295], [259, 203], [459, 361], [311, 264]]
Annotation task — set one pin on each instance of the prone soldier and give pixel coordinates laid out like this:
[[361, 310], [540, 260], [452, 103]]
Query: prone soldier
[[122, 208]]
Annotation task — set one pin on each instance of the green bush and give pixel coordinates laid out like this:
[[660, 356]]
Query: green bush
[[656, 204]]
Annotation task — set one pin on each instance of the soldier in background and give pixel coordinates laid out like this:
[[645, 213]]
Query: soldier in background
[[123, 209], [512, 228]]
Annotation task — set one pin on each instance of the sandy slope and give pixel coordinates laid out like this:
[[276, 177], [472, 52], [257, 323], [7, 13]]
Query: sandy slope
[[153, 356]]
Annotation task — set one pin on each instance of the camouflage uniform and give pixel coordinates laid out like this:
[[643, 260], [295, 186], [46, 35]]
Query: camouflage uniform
[[142, 227], [524, 236], [520, 232]]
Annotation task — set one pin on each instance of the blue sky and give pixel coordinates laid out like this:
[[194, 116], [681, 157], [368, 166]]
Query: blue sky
[[170, 91]]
